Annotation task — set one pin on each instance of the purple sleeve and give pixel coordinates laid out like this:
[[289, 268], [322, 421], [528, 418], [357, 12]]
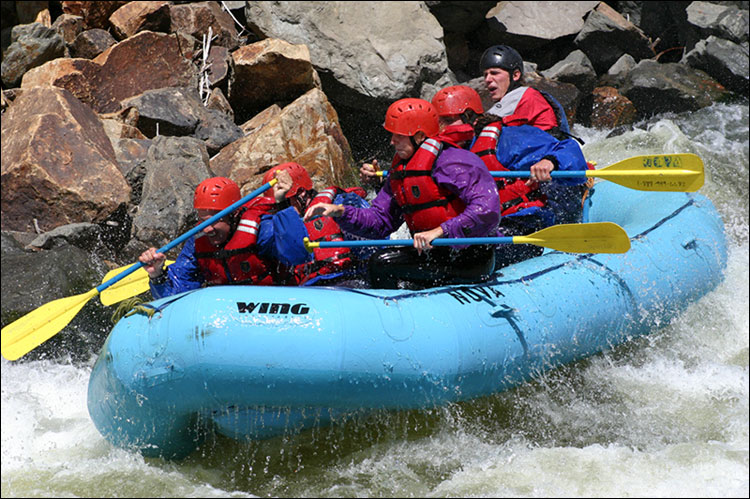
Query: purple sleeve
[[377, 222], [464, 174]]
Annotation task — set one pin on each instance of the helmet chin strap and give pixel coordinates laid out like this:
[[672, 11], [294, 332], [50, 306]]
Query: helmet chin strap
[[414, 142]]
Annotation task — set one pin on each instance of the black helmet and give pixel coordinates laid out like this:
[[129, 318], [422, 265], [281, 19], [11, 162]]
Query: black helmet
[[501, 56]]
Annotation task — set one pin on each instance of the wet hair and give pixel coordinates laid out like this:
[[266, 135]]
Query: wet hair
[[483, 120]]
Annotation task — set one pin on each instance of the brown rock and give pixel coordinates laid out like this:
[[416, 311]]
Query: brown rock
[[68, 27], [610, 109], [116, 129], [74, 75], [269, 71], [95, 14], [217, 101], [58, 165], [44, 18], [140, 16], [91, 43], [195, 19], [261, 119], [306, 131], [143, 62], [219, 62]]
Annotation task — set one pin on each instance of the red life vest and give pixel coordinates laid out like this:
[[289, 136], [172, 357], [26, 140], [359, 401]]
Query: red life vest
[[238, 262], [514, 195], [326, 260], [457, 134], [425, 204]]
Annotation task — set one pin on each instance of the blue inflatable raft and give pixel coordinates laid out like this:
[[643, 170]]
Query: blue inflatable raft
[[256, 362]]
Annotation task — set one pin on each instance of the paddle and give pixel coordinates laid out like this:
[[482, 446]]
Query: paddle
[[39, 325], [132, 285], [660, 172], [599, 237]]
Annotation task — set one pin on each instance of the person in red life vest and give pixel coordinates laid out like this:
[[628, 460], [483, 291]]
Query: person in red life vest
[[524, 203], [330, 265], [229, 250], [517, 104], [458, 108], [439, 190]]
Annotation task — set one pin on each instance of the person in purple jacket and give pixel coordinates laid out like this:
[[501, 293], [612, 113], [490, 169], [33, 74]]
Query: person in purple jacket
[[439, 190]]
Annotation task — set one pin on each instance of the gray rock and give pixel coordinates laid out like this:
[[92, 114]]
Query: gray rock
[[723, 21], [31, 45], [724, 60], [83, 235], [575, 69]]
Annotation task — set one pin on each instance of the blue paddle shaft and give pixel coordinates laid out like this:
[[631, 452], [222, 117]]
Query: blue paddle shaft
[[560, 174], [229, 209], [410, 242]]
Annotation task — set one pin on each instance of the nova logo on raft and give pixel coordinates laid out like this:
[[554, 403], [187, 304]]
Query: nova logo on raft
[[272, 308]]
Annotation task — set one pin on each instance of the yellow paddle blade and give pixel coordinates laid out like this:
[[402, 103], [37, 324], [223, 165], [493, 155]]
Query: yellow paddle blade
[[597, 237], [36, 327], [127, 287], [659, 172]]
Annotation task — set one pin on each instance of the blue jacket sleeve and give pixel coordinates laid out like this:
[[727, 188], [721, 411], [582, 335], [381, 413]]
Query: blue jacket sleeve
[[183, 275], [519, 147], [280, 237]]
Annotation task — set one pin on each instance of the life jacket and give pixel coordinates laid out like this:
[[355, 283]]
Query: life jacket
[[425, 204], [238, 261], [326, 260], [514, 194], [457, 134]]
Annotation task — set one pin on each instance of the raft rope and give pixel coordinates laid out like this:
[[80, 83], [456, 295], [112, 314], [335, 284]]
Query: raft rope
[[131, 306], [136, 305]]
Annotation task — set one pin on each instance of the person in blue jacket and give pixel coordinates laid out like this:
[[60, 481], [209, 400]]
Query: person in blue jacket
[[257, 244], [531, 205], [526, 205]]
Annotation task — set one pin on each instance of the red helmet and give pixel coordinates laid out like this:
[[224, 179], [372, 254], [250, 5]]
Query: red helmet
[[300, 178], [409, 116], [216, 193], [457, 99]]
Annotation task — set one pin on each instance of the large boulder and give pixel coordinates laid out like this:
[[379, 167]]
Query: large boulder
[[402, 47], [58, 165], [134, 17], [142, 62], [178, 111], [725, 60], [95, 14], [196, 18], [657, 88], [268, 72], [607, 35], [540, 21], [31, 45], [306, 131], [723, 21], [174, 167]]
